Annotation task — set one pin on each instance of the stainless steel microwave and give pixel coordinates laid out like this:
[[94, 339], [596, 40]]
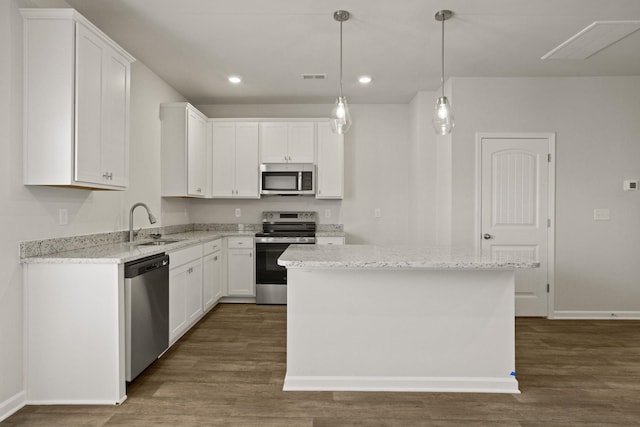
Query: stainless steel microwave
[[287, 179]]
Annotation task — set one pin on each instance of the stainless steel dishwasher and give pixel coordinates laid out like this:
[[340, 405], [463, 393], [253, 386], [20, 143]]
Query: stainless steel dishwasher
[[146, 287]]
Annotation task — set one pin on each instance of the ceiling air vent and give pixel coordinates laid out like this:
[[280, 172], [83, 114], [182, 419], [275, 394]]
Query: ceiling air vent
[[314, 77], [593, 39]]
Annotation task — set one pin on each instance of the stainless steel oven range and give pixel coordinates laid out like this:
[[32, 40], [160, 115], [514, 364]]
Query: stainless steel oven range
[[279, 230]]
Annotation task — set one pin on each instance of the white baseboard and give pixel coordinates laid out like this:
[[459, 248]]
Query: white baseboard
[[596, 315], [400, 384], [12, 405]]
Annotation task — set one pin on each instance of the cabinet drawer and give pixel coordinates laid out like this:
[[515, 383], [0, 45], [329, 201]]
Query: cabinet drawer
[[212, 246], [240, 242], [183, 256], [330, 240]]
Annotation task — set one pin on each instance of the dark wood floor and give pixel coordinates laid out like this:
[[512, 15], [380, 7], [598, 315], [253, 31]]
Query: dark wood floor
[[229, 370]]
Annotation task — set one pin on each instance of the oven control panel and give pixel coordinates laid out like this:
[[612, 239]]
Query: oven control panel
[[272, 216]]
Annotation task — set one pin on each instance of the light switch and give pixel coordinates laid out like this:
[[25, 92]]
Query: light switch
[[238, 213], [630, 185], [601, 214], [377, 213]]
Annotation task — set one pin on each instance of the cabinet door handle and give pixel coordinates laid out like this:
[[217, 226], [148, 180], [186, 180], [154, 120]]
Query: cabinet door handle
[[199, 190], [250, 254], [215, 258]]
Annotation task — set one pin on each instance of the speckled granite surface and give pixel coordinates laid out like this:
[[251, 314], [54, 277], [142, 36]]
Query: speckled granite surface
[[330, 228], [116, 253], [365, 256], [114, 246]]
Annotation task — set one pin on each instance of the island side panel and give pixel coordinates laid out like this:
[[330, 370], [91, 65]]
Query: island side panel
[[400, 330], [75, 333]]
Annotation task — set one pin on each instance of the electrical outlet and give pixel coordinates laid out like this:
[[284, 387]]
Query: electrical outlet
[[63, 216], [601, 214], [327, 213], [377, 213], [238, 213]]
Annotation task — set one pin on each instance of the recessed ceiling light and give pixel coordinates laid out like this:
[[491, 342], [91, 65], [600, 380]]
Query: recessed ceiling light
[[235, 80], [364, 79]]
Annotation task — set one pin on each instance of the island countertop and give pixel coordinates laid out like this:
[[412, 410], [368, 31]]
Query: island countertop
[[402, 257]]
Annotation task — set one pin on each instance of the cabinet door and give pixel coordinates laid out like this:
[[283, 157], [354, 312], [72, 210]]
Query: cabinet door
[[330, 240], [247, 175], [177, 301], [212, 280], [196, 154], [273, 142], [194, 291], [223, 140], [300, 145], [240, 277], [115, 132], [330, 170], [89, 94]]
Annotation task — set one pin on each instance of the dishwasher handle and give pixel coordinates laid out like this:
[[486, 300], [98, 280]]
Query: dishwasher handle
[[145, 265]]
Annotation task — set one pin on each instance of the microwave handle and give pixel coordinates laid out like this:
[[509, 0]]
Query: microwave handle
[[299, 180]]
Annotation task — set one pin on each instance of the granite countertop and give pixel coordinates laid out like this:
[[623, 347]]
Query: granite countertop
[[372, 257], [331, 234], [117, 253]]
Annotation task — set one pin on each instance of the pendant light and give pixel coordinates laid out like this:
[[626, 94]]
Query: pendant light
[[340, 117], [443, 121]]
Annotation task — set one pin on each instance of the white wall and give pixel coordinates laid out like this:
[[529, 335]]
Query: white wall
[[598, 146], [423, 167], [376, 174], [32, 212]]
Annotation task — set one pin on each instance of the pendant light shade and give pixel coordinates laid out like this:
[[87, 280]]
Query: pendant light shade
[[340, 117], [443, 121]]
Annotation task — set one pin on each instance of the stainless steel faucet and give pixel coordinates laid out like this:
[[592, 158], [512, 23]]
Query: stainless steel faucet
[[152, 220]]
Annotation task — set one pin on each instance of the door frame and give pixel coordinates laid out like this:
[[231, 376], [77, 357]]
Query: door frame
[[551, 138]]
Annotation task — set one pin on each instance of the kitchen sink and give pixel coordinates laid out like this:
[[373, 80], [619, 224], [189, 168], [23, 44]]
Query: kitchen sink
[[158, 242]]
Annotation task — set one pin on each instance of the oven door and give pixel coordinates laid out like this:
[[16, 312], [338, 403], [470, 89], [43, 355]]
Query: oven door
[[267, 269]]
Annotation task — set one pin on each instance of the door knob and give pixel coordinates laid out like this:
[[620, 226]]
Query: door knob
[[487, 236]]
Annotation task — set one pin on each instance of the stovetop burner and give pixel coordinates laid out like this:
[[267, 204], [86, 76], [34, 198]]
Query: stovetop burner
[[288, 224]]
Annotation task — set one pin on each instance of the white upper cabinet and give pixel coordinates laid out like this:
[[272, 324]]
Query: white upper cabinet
[[330, 166], [287, 142], [185, 160], [234, 172], [76, 103]]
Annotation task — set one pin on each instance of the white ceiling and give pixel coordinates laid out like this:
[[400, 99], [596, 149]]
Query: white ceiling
[[194, 45]]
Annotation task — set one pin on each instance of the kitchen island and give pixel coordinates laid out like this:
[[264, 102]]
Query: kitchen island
[[368, 318]]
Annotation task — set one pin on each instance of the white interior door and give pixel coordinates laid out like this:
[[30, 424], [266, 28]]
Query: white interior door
[[515, 211]]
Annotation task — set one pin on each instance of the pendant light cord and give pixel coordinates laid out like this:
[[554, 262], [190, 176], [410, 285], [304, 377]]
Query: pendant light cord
[[340, 59], [442, 77]]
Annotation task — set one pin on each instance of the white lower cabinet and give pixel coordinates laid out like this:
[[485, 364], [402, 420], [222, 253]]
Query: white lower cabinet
[[185, 290], [212, 278], [241, 280], [330, 240]]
